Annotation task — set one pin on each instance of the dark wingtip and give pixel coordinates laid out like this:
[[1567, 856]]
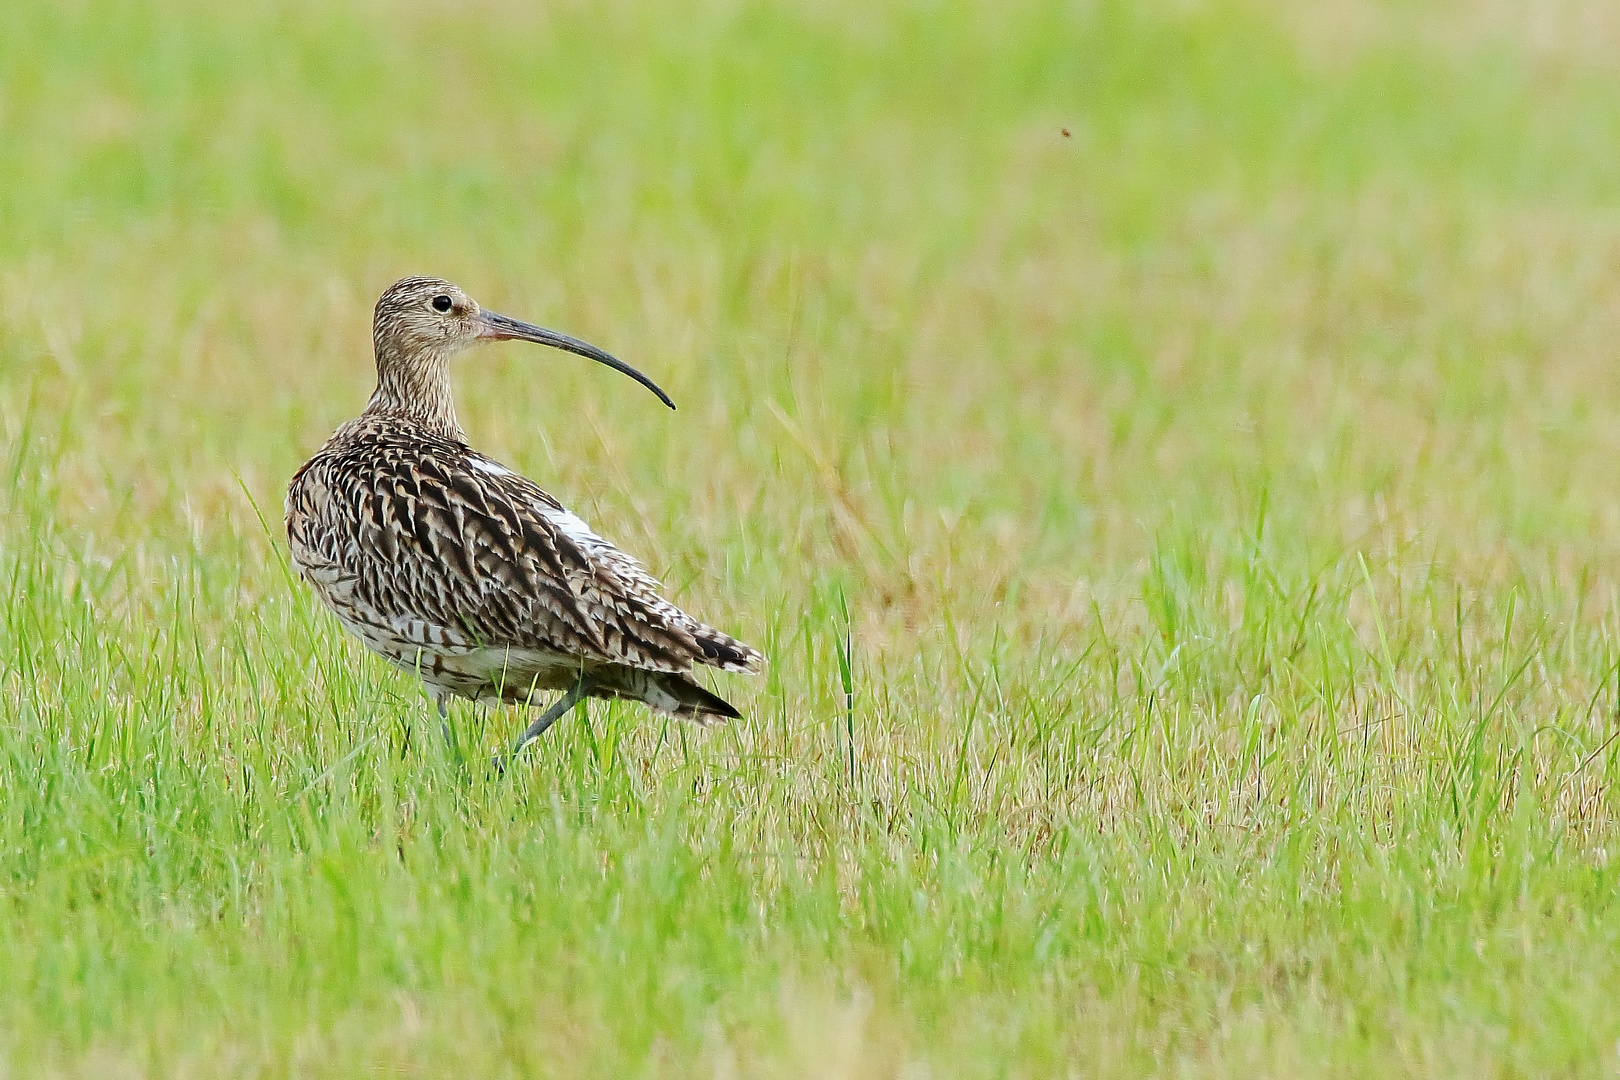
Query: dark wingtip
[[697, 703]]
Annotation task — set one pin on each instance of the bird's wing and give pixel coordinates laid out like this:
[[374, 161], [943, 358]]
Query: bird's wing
[[622, 597], [442, 538]]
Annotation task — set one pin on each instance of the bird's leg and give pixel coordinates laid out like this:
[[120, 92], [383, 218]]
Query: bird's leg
[[551, 715], [443, 702]]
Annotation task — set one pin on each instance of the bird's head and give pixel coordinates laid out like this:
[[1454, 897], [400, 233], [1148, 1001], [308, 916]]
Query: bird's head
[[428, 320]]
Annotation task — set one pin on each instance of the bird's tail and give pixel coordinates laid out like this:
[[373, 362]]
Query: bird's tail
[[726, 652], [665, 692]]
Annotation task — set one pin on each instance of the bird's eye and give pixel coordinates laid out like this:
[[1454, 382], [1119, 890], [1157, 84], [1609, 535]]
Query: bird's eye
[[441, 303]]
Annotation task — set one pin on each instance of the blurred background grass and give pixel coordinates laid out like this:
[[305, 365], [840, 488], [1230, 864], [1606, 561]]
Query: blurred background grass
[[1204, 411]]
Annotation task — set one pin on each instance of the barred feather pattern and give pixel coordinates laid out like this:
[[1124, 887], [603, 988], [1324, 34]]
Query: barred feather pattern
[[456, 568]]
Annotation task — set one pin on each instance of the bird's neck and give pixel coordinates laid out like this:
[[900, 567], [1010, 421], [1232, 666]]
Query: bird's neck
[[418, 389]]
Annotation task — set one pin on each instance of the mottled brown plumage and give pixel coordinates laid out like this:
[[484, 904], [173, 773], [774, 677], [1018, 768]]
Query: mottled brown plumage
[[452, 566]]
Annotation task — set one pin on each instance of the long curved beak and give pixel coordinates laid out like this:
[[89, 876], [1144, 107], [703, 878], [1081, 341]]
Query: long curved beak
[[493, 327]]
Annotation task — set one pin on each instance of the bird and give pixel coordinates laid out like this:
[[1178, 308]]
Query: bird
[[457, 569]]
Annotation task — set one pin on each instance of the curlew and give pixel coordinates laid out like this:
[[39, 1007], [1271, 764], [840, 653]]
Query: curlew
[[455, 568]]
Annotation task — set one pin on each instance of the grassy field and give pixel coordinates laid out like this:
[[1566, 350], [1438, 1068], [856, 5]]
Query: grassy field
[[1168, 453]]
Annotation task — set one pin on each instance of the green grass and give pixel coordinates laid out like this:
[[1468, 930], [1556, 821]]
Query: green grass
[[1219, 504]]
